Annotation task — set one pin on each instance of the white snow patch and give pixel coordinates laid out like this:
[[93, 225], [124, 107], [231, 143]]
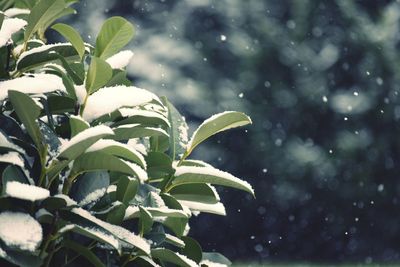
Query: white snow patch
[[120, 60], [211, 171], [13, 158], [109, 99], [81, 93], [93, 196], [90, 132], [68, 200], [35, 84], [174, 239], [9, 27], [140, 173], [26, 192], [20, 230], [12, 12]]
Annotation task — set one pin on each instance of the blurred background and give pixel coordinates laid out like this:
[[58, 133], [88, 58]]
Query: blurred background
[[321, 81]]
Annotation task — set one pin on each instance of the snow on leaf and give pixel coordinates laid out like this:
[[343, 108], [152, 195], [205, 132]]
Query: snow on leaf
[[93, 196], [34, 84], [189, 174], [94, 131], [20, 230], [26, 192], [13, 158], [212, 264], [119, 232], [12, 12], [120, 60], [9, 27], [217, 208], [109, 99]]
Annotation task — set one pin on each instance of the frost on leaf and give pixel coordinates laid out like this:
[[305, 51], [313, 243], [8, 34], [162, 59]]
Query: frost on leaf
[[26, 192], [20, 230]]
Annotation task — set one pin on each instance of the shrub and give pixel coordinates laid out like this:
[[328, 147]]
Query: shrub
[[95, 170]]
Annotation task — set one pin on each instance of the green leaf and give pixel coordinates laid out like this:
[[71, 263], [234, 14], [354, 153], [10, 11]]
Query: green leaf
[[158, 165], [77, 125], [216, 257], [121, 150], [116, 214], [89, 183], [170, 256], [115, 33], [72, 36], [27, 111], [67, 81], [215, 124], [119, 77], [93, 233], [200, 175], [40, 14], [177, 131], [84, 251], [93, 161], [192, 249], [78, 145], [202, 193], [127, 188], [99, 74], [13, 173], [20, 258], [145, 221], [59, 53]]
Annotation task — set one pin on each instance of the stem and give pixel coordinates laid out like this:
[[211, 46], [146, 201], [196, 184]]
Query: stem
[[43, 171], [91, 245]]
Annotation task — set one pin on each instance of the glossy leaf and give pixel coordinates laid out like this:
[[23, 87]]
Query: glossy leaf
[[72, 36], [99, 74], [215, 124], [115, 33]]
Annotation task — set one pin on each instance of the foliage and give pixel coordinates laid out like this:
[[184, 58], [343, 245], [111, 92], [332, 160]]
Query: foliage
[[94, 167]]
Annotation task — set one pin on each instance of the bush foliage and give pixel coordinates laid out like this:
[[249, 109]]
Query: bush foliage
[[95, 170]]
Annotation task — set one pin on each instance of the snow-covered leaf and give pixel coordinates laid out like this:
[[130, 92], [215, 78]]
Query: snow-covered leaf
[[9, 27], [118, 149], [129, 131], [214, 257], [196, 175], [217, 208], [77, 125], [109, 99], [23, 191], [172, 257], [19, 230], [192, 249], [90, 187], [146, 117], [127, 188], [93, 161]]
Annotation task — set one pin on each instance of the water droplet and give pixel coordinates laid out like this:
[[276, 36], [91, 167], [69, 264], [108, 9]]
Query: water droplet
[[345, 118], [330, 151], [241, 95], [368, 73], [223, 38], [325, 99], [356, 219], [252, 237], [355, 93], [264, 170]]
